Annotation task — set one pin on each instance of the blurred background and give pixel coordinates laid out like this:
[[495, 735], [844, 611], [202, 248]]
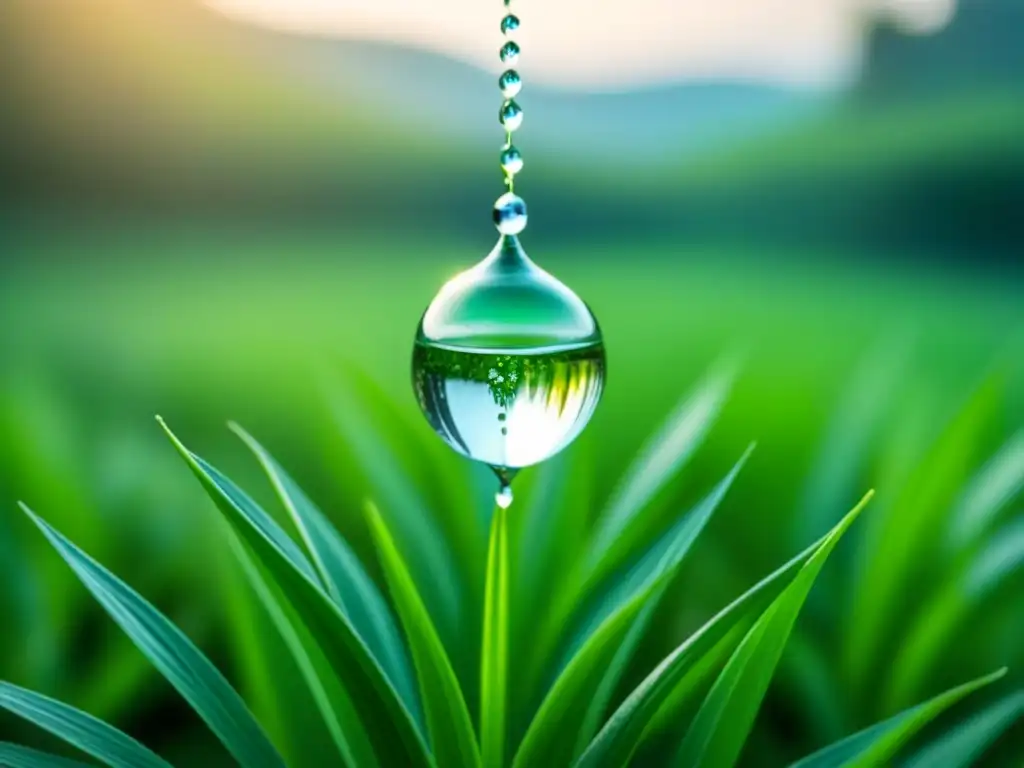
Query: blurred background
[[206, 210]]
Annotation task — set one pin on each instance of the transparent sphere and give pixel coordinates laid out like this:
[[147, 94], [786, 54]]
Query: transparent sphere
[[508, 364], [510, 214], [509, 24], [511, 115], [510, 84], [509, 52], [511, 160]]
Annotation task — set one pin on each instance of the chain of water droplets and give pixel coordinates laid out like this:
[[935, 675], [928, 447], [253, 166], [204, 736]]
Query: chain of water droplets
[[510, 209]]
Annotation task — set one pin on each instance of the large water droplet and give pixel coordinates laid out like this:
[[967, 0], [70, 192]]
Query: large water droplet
[[508, 364], [510, 83], [509, 52], [511, 115], [509, 24], [511, 160], [510, 214]]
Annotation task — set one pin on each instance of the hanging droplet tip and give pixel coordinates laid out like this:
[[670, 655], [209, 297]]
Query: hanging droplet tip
[[503, 498]]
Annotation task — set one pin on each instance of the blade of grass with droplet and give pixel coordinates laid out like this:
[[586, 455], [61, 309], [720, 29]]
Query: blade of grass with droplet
[[908, 535], [346, 579], [173, 654], [494, 656], [395, 738], [14, 756], [81, 730], [718, 732], [620, 736], [963, 744], [657, 463], [338, 712], [879, 744], [445, 711]]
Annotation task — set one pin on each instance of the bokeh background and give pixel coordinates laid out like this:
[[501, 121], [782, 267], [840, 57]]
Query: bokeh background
[[221, 211]]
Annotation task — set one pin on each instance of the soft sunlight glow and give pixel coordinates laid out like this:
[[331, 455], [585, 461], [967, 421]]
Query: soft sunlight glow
[[614, 44]]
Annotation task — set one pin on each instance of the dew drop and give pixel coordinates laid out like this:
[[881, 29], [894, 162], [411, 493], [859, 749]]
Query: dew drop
[[509, 52], [509, 24], [511, 115], [510, 83], [503, 497], [510, 214], [511, 160]]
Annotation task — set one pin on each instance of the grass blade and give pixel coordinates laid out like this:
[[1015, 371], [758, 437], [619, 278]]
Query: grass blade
[[448, 720], [494, 662], [396, 740], [682, 538], [338, 712], [658, 461], [89, 734], [621, 735], [199, 682], [963, 745], [899, 542], [995, 486], [344, 576], [718, 732], [878, 744], [14, 756]]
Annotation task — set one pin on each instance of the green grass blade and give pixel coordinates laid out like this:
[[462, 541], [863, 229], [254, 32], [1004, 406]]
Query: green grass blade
[[14, 756], [550, 738], [337, 710], [89, 734], [961, 597], [995, 486], [396, 740], [878, 744], [718, 732], [621, 735], [494, 656], [664, 454], [684, 535], [343, 574], [448, 720], [962, 745], [173, 654], [566, 704], [899, 542]]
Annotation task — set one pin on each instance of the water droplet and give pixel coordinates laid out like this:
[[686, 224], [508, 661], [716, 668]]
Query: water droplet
[[509, 24], [511, 160], [509, 363], [510, 214], [544, 410], [509, 52], [503, 498], [511, 115], [510, 83]]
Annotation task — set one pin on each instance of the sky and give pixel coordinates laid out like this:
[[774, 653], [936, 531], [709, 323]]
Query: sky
[[619, 44]]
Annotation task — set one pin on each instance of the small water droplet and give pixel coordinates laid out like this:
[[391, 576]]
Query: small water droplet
[[509, 24], [504, 497], [511, 160], [511, 115], [509, 52], [502, 416], [510, 84], [510, 214]]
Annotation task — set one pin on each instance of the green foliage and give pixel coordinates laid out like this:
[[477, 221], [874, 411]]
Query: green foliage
[[560, 676]]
